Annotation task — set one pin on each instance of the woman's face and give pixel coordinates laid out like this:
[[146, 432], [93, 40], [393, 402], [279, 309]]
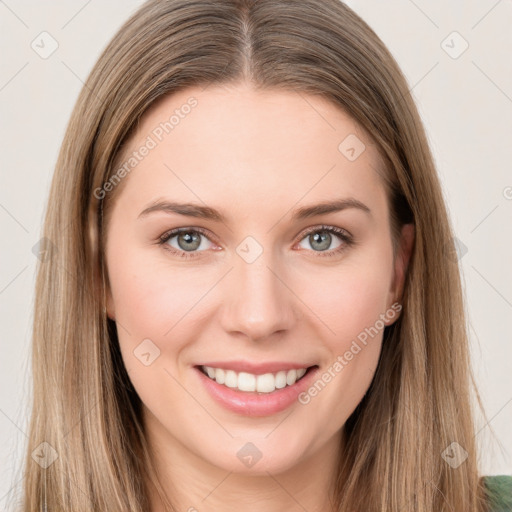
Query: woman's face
[[258, 283]]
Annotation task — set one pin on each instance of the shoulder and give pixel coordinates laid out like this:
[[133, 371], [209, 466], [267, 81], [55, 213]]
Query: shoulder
[[499, 492]]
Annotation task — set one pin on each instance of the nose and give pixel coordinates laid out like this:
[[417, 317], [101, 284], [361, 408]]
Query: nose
[[258, 302]]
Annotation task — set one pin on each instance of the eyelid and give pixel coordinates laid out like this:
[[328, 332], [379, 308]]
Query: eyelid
[[325, 227], [170, 233], [346, 238]]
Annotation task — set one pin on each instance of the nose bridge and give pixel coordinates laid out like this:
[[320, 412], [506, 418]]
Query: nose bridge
[[257, 302]]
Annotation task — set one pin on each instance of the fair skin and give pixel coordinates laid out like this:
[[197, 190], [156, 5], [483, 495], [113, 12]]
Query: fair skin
[[256, 157]]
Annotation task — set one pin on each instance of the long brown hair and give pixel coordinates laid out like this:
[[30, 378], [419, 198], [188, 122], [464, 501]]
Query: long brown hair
[[84, 406]]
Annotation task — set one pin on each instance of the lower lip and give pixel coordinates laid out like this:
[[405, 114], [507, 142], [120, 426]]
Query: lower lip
[[253, 403]]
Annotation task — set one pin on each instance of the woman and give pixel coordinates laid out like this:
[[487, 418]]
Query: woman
[[299, 343]]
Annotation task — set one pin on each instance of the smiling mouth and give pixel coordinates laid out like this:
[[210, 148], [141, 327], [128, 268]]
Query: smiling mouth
[[248, 382]]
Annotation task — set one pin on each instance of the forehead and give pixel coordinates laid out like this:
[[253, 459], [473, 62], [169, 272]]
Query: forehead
[[234, 144]]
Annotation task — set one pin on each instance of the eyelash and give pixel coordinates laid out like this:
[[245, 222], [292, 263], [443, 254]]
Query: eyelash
[[341, 233]]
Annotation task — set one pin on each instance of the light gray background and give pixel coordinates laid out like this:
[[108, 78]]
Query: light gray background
[[466, 105]]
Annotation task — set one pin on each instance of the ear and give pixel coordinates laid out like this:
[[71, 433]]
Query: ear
[[401, 264], [109, 302]]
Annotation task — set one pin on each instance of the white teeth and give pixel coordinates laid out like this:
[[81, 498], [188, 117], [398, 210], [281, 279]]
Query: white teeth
[[231, 380], [280, 380], [246, 382], [266, 383], [219, 375], [291, 377]]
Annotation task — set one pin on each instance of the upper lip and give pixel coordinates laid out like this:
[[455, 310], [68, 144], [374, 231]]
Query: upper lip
[[256, 368]]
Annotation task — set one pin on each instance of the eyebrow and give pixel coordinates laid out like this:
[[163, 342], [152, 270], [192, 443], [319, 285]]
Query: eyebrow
[[208, 213]]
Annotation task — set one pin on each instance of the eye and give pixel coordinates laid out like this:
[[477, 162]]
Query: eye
[[320, 238], [188, 241]]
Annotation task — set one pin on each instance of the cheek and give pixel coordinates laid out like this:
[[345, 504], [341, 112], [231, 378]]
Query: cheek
[[149, 297], [351, 299], [351, 306], [162, 304], [154, 315]]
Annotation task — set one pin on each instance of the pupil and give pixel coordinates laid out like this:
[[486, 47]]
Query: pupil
[[324, 238], [189, 238]]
